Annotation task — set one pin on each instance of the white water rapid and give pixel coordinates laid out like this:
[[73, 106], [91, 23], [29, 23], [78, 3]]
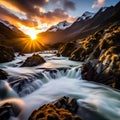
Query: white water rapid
[[31, 87]]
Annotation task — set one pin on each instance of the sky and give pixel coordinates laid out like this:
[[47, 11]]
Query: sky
[[38, 15]]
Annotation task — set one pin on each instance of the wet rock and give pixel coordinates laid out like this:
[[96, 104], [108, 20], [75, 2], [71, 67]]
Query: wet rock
[[6, 54], [11, 108], [61, 109], [34, 60], [6, 111], [58, 55], [3, 74]]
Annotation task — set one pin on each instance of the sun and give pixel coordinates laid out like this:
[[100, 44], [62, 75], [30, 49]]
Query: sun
[[33, 36], [30, 31]]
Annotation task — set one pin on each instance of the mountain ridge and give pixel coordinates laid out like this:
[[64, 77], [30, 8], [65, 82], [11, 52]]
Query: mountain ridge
[[82, 28]]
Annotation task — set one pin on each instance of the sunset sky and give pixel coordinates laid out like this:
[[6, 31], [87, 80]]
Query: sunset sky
[[38, 15]]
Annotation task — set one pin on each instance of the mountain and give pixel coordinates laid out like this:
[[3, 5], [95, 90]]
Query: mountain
[[12, 37], [12, 27], [85, 25], [60, 26], [9, 31], [85, 16]]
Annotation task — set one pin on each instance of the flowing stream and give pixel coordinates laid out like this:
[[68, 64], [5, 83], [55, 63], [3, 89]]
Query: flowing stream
[[28, 88]]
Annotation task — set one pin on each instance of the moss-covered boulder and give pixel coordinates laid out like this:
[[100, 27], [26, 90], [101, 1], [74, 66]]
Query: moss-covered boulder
[[6, 54], [66, 49], [110, 39], [34, 60], [62, 109], [104, 70]]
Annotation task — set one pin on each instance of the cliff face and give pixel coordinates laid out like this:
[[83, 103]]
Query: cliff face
[[101, 54], [106, 67]]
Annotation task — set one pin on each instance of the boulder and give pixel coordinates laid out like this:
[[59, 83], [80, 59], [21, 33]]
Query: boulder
[[62, 109], [5, 111], [11, 108], [66, 49], [3, 74], [6, 54], [21, 54], [34, 60]]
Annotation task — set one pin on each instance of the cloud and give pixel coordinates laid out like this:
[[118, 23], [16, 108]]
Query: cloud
[[27, 6], [55, 16], [14, 18], [69, 5], [32, 13], [98, 4]]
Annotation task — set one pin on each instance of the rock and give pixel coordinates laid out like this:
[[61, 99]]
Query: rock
[[5, 111], [21, 54], [3, 74], [104, 70], [34, 60], [66, 49], [11, 108], [78, 54], [6, 54], [61, 109], [58, 55], [104, 66]]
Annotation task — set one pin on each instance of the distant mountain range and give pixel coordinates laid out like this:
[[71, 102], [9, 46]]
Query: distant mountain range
[[85, 25], [64, 24], [64, 31]]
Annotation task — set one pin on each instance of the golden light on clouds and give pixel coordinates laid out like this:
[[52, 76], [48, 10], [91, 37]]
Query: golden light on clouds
[[33, 17], [31, 31], [11, 7]]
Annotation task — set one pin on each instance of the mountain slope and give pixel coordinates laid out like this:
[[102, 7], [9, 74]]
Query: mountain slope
[[12, 37]]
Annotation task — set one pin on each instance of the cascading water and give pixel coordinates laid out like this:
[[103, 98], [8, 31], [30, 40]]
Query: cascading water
[[56, 78]]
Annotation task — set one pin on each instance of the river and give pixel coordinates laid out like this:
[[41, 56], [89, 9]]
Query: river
[[28, 88]]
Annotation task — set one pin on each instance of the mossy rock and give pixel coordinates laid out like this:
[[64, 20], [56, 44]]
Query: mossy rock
[[62, 109], [34, 60], [6, 54]]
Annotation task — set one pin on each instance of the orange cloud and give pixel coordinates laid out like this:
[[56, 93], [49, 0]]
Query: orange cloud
[[53, 17], [32, 13]]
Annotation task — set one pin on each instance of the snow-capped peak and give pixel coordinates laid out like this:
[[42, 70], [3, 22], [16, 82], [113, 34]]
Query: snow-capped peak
[[103, 9], [86, 15], [60, 26]]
